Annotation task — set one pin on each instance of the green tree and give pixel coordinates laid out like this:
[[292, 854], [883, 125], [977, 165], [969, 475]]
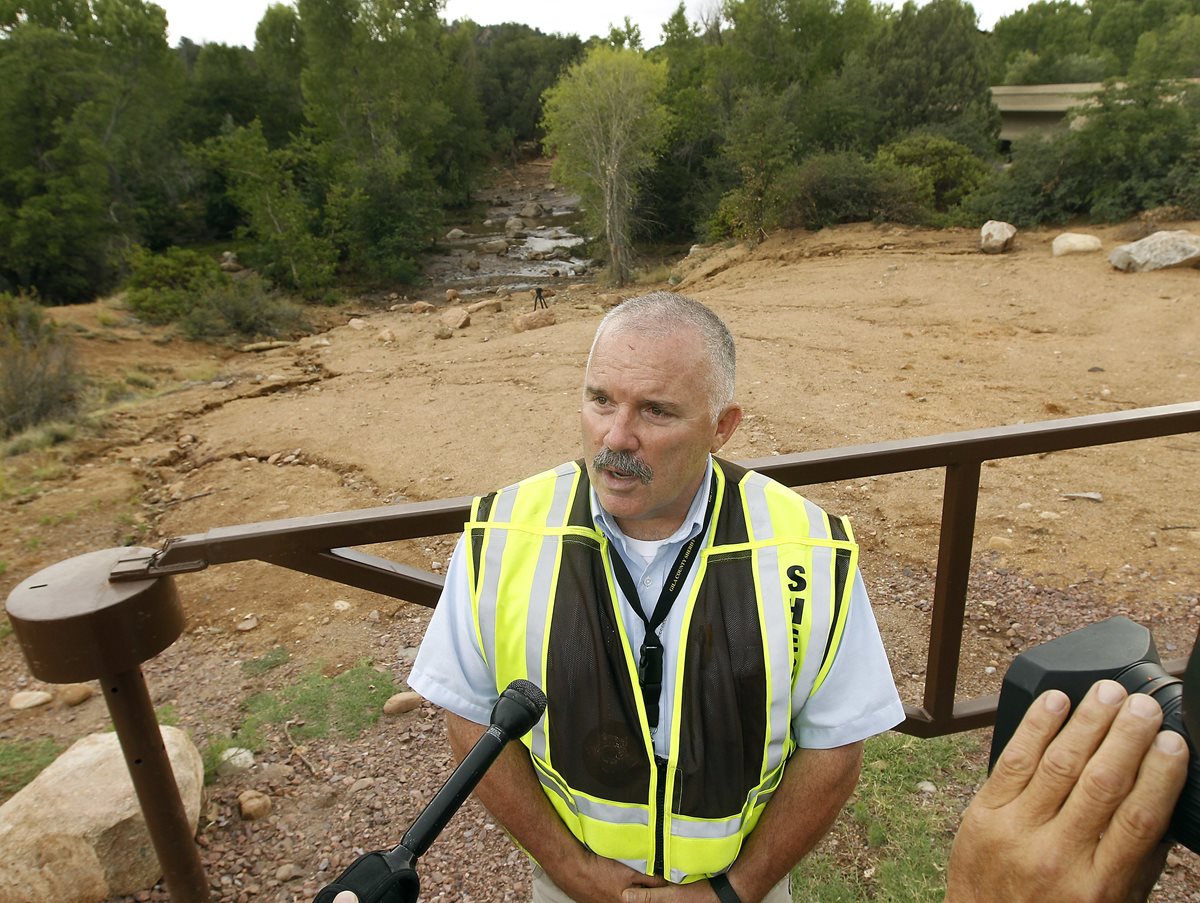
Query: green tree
[[279, 55], [682, 189], [1033, 45], [283, 226], [515, 64], [933, 74], [1170, 52], [760, 143], [397, 129], [606, 122], [224, 88], [1120, 153], [627, 35], [87, 161], [55, 232], [944, 170]]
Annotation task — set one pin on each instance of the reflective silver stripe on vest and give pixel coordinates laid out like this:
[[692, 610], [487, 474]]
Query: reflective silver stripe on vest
[[820, 613], [706, 830], [776, 617], [818, 527], [542, 590], [610, 813], [502, 509]]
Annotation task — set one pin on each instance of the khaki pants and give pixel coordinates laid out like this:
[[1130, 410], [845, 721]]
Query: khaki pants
[[546, 891]]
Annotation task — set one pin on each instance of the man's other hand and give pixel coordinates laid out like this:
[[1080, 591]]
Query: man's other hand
[[1073, 816], [346, 897]]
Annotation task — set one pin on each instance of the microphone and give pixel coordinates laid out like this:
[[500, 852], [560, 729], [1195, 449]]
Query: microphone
[[388, 877], [514, 715]]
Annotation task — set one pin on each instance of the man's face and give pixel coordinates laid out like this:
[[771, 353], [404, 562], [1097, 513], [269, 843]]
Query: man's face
[[647, 398]]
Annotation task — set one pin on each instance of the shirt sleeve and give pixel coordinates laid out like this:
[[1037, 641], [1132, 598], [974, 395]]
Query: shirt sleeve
[[450, 670], [858, 697]]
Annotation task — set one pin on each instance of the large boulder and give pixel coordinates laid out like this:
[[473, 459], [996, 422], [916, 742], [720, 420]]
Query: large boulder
[[1160, 251], [1074, 243], [76, 833], [996, 237]]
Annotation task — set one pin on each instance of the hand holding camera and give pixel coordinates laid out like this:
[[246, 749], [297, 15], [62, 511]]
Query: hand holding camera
[[1080, 809]]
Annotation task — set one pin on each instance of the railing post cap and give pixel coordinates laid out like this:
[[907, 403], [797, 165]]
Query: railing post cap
[[73, 624]]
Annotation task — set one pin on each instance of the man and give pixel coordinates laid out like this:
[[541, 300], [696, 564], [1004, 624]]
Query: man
[[702, 634]]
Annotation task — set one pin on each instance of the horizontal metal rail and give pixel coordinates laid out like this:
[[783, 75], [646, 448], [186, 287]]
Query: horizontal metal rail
[[323, 545]]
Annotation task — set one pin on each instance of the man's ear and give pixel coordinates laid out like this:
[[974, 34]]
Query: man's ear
[[726, 424]]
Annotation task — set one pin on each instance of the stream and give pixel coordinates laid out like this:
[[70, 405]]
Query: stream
[[527, 238]]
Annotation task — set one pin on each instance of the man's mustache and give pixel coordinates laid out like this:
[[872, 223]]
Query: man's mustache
[[625, 462]]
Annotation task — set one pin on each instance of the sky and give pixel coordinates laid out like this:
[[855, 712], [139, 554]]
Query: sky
[[233, 21]]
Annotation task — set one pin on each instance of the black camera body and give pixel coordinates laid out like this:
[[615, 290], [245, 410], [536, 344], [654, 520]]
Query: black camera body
[[1120, 650]]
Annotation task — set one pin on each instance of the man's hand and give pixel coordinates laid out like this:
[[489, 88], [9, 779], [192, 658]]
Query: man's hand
[[345, 897], [696, 892], [601, 880], [1077, 816]]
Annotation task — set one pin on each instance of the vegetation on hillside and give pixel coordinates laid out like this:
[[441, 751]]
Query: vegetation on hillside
[[329, 152]]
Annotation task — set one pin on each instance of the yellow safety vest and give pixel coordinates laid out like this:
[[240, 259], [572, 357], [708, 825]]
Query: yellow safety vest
[[765, 613]]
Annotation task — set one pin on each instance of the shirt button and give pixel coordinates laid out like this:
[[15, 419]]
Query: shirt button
[[647, 581]]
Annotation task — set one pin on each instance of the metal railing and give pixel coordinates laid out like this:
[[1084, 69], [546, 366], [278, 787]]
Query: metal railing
[[100, 615], [322, 545]]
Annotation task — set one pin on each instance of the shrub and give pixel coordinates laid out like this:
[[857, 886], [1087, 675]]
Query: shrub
[[165, 287], [38, 379], [243, 309], [1134, 149], [1184, 181], [1033, 190], [945, 170], [845, 188]]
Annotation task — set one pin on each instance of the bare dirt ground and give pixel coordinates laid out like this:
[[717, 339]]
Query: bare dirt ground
[[849, 335]]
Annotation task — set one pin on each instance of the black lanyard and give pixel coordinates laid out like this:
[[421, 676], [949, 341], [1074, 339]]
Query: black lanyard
[[650, 656]]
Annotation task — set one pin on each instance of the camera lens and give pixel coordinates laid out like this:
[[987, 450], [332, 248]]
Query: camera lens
[[1167, 691]]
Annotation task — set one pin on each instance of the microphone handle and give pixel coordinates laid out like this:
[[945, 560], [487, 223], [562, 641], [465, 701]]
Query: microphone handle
[[454, 792]]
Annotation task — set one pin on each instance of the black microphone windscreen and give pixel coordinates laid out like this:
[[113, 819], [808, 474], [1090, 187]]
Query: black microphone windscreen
[[518, 708], [530, 691]]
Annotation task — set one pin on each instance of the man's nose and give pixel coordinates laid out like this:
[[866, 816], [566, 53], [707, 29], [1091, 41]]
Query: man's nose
[[622, 431]]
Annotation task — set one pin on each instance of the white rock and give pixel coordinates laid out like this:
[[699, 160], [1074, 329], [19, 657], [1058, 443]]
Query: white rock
[[357, 323], [234, 761], [341, 605], [29, 699], [80, 819], [996, 237], [1160, 251], [927, 787], [1074, 243]]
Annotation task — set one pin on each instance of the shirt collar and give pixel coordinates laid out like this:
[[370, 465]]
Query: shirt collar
[[692, 522]]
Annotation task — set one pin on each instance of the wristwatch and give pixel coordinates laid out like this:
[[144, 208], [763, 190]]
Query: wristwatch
[[725, 891]]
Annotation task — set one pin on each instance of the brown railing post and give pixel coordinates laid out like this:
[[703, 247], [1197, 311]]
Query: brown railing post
[[959, 501], [74, 624]]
